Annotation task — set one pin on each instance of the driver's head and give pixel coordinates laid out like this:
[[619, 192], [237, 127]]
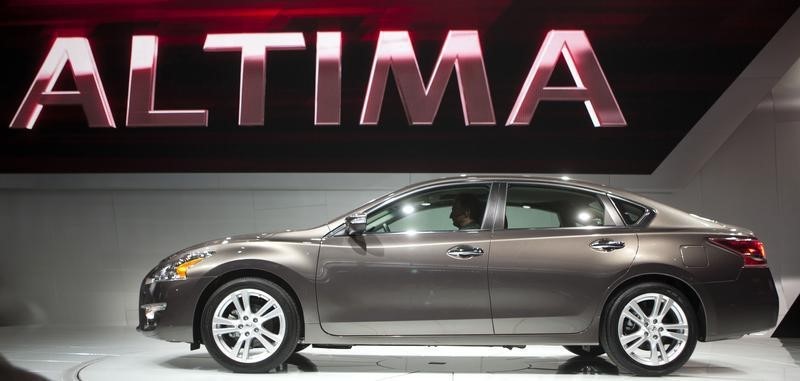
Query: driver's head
[[466, 210]]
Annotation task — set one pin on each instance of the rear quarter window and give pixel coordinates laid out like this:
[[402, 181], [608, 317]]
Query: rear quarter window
[[630, 212]]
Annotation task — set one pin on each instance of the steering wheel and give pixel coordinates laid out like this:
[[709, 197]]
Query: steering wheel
[[385, 228]]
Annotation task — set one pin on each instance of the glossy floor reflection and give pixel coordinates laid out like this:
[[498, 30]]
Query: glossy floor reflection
[[121, 354]]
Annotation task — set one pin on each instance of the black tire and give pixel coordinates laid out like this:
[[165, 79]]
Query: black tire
[[586, 350], [291, 328], [610, 331]]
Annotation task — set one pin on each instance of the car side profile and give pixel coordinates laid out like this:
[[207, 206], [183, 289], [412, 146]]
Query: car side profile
[[472, 260]]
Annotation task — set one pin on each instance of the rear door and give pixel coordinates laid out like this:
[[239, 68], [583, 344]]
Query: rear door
[[554, 254]]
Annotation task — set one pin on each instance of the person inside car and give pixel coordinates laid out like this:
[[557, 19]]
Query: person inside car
[[467, 212]]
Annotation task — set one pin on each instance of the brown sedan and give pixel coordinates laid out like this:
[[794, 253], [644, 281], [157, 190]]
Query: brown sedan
[[484, 260]]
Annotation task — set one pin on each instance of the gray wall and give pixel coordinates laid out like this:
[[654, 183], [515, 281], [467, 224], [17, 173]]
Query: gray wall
[[73, 255]]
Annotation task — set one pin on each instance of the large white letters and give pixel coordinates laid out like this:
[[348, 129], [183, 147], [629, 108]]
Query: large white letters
[[142, 89], [591, 85], [253, 80], [89, 94], [461, 52]]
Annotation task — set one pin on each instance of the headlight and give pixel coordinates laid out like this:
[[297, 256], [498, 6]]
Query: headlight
[[175, 267]]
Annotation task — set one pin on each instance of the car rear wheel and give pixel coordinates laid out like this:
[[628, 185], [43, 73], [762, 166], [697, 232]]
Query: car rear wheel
[[586, 350], [650, 329], [250, 325]]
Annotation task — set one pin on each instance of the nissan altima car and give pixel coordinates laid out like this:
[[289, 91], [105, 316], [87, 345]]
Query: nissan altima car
[[472, 260]]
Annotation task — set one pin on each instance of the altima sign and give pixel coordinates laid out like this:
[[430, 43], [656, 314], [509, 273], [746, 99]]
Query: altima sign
[[394, 53]]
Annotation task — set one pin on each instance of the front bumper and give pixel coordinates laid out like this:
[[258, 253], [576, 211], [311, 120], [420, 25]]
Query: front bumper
[[172, 306], [746, 305]]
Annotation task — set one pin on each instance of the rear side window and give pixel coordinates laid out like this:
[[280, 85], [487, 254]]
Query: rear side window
[[631, 213], [536, 207]]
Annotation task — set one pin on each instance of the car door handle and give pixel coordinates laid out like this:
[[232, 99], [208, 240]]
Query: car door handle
[[605, 245], [464, 252]]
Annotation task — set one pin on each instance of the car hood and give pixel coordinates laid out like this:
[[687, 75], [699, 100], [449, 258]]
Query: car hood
[[288, 235]]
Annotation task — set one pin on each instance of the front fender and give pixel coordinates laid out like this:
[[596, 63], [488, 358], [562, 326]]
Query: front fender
[[292, 263]]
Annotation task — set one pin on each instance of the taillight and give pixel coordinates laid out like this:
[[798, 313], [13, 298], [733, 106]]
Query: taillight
[[751, 249]]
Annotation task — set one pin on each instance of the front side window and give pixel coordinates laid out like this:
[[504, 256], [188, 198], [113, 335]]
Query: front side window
[[441, 209], [539, 207]]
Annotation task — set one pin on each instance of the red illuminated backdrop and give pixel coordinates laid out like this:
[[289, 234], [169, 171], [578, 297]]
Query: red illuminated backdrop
[[365, 86]]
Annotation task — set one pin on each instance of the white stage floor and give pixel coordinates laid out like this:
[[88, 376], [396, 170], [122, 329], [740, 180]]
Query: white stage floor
[[121, 354]]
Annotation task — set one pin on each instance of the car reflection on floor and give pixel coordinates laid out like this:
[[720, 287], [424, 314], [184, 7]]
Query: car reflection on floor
[[309, 363], [575, 365]]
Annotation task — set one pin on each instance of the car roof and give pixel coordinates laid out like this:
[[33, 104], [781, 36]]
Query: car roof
[[563, 180]]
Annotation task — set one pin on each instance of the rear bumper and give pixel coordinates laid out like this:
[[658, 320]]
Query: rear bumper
[[746, 305], [178, 299]]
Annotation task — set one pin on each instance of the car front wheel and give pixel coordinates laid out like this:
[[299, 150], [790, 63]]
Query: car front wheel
[[650, 329], [250, 325]]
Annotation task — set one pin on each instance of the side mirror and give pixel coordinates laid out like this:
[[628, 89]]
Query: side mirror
[[356, 224]]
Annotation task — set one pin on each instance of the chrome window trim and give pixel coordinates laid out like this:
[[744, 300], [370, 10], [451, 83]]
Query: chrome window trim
[[585, 228], [553, 185], [372, 234]]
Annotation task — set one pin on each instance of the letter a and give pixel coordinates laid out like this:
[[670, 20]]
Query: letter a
[[592, 87], [89, 94]]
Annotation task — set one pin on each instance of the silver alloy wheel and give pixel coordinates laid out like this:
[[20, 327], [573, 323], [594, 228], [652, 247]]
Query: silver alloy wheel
[[653, 329], [248, 325]]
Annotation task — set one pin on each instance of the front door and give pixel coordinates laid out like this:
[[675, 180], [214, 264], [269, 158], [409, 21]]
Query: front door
[[419, 269]]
